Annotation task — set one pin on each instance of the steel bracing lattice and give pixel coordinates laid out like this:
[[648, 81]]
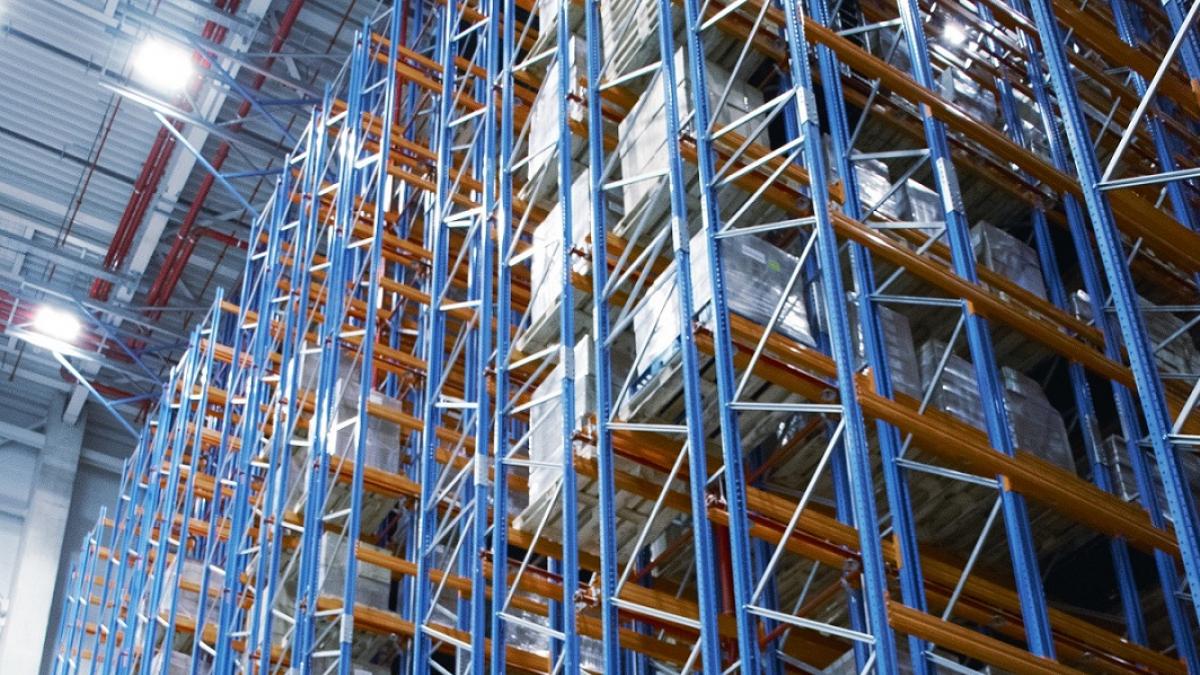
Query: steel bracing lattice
[[489, 396]]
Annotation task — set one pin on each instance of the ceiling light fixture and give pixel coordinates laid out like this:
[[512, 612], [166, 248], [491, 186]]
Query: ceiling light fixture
[[56, 324], [162, 65]]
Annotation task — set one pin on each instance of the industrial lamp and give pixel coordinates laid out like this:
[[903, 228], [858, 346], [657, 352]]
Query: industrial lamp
[[162, 65]]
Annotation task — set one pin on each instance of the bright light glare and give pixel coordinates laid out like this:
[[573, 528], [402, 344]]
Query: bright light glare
[[57, 324], [954, 34], [162, 65]]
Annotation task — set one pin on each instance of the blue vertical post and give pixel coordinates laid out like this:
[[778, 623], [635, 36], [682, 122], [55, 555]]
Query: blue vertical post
[[369, 260], [605, 464], [702, 545], [437, 239], [1016, 519], [115, 547], [1141, 356], [858, 463], [1124, 21], [1084, 405], [317, 466], [566, 309], [1126, 408], [912, 584], [483, 274], [504, 322]]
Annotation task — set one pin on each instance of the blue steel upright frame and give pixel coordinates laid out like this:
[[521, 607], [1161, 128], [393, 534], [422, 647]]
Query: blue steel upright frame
[[390, 286], [1151, 394]]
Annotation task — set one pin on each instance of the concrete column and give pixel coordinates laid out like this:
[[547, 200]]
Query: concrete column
[[41, 542]]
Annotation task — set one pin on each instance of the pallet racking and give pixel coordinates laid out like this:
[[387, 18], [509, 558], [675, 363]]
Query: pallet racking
[[428, 433]]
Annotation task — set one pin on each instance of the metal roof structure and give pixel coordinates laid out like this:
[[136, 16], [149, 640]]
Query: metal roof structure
[[110, 215], [94, 206]]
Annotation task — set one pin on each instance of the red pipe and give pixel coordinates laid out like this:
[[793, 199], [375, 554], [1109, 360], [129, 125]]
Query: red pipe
[[146, 186], [182, 248], [101, 388]]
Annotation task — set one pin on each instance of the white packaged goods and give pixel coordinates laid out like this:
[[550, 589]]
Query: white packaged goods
[[546, 455], [643, 146], [873, 184], [756, 275], [845, 664], [187, 602], [382, 449], [547, 12], [629, 30], [1008, 256], [545, 262], [544, 120], [1178, 355], [546, 423], [925, 206], [1124, 481], [898, 341], [177, 663], [967, 94], [373, 583], [526, 638], [1036, 426]]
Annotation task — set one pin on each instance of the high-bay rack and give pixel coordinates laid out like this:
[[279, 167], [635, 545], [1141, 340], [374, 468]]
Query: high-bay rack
[[652, 336]]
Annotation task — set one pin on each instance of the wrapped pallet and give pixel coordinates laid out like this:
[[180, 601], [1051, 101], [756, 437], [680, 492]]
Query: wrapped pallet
[[546, 455], [1124, 480], [958, 88], [545, 266], [171, 663], [1036, 426], [629, 31], [898, 342], [925, 206], [382, 449], [546, 423], [547, 13], [873, 188], [1008, 256], [845, 664], [544, 123], [189, 573], [521, 634], [373, 583], [756, 276], [1178, 355], [644, 152]]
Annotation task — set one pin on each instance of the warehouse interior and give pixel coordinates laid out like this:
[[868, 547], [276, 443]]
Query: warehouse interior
[[313, 361]]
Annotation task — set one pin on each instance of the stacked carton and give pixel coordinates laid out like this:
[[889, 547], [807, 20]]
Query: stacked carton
[[1008, 256], [756, 276], [1036, 425], [544, 121], [1178, 355], [644, 153], [898, 342], [1124, 481], [545, 266]]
